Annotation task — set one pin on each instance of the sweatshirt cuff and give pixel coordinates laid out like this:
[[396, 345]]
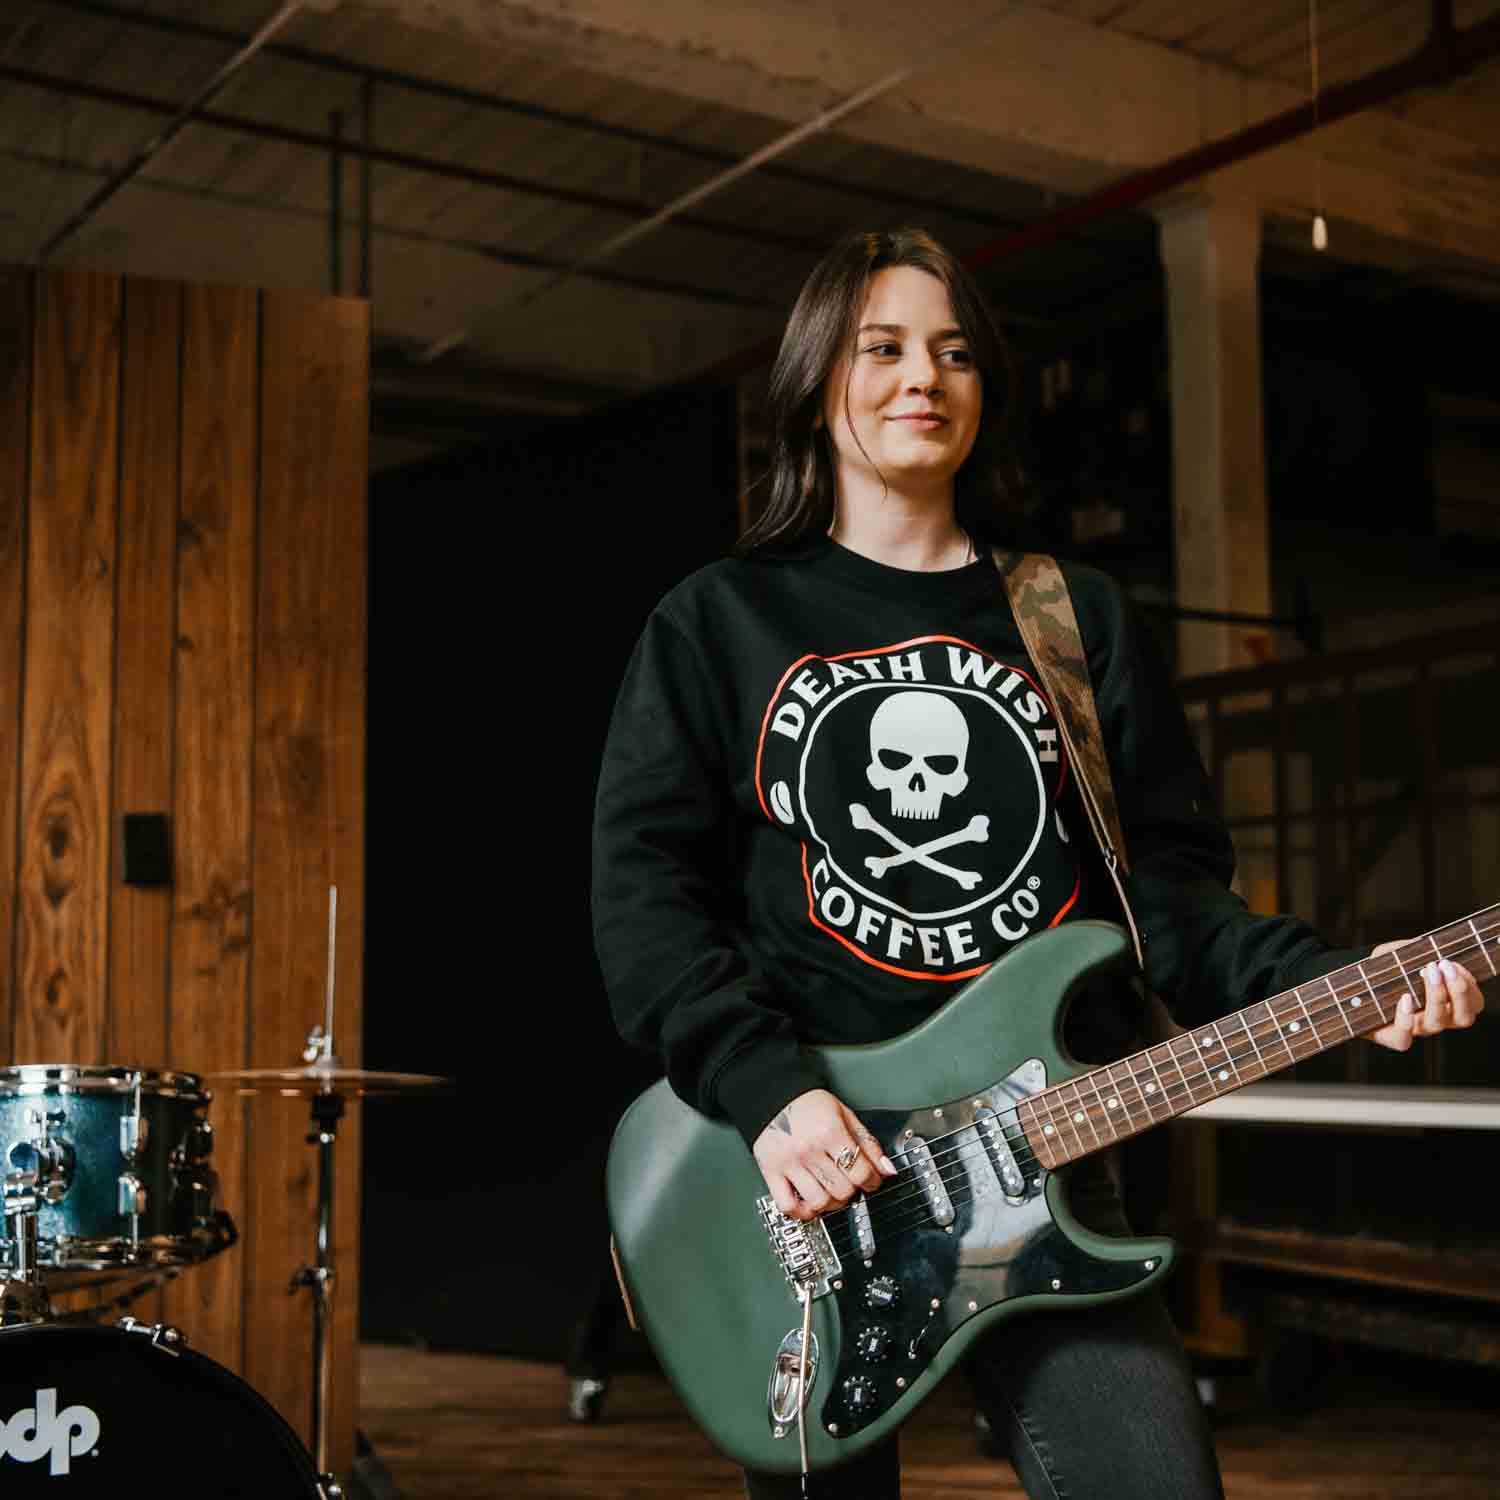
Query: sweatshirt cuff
[[755, 1085], [1316, 965]]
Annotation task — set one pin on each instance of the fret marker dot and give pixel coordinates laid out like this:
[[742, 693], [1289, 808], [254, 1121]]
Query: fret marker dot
[[1223, 1075], [1113, 1103], [1150, 1088], [1079, 1117], [1295, 1026], [1048, 1130], [1207, 1041], [1357, 1000]]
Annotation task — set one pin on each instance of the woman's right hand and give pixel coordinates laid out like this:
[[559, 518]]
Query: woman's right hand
[[797, 1155]]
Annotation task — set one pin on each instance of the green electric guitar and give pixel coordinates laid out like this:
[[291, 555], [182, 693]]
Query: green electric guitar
[[979, 1107]]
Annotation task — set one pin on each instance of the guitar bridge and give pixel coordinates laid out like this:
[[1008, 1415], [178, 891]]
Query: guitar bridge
[[804, 1251]]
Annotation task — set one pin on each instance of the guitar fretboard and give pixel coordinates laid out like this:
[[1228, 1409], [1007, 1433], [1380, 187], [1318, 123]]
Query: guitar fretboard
[[1097, 1108]]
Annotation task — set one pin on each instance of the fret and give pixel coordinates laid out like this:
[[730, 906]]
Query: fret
[[1432, 938], [1222, 1075], [1317, 1035], [1198, 1058], [1259, 1057], [1396, 954], [1338, 1004], [1373, 996], [1082, 1113], [1156, 1073], [1280, 1034], [1049, 1129], [1114, 1134], [1126, 1109], [1488, 957]]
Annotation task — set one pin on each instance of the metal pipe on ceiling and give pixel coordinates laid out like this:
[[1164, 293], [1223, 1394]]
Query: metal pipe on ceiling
[[182, 26], [411, 161], [181, 115], [1447, 54]]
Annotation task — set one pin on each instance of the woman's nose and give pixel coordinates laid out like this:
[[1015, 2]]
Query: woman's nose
[[923, 375]]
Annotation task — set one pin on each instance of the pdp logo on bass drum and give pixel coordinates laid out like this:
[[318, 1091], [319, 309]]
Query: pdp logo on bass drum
[[42, 1429]]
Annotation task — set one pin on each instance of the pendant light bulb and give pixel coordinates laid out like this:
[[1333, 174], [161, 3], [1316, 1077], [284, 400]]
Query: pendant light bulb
[[1320, 232]]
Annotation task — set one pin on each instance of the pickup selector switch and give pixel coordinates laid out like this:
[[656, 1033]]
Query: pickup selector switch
[[882, 1292], [859, 1394], [871, 1342]]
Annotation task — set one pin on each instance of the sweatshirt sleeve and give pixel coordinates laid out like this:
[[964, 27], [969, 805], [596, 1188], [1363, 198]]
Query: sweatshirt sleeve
[[1206, 953], [682, 979]]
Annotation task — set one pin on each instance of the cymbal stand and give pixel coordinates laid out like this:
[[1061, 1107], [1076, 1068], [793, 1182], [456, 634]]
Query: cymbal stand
[[327, 1111]]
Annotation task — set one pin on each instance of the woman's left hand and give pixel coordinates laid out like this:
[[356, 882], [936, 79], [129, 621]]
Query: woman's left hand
[[1451, 998]]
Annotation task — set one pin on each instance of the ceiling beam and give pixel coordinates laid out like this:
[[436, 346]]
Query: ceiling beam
[[183, 26], [1043, 98]]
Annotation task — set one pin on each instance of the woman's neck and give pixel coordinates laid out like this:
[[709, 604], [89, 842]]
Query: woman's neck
[[920, 537]]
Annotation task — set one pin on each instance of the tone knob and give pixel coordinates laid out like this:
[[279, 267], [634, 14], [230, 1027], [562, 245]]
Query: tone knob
[[871, 1341], [882, 1292], [859, 1394]]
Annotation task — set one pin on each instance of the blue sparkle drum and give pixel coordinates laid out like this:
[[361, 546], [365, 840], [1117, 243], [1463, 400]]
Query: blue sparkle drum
[[114, 1163]]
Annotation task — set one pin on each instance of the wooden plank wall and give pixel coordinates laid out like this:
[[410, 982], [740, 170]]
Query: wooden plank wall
[[182, 630]]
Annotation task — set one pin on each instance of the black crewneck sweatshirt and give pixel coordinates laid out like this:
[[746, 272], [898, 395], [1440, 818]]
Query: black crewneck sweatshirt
[[834, 791]]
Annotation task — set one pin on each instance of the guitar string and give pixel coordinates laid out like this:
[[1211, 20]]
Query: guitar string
[[1026, 1157], [1268, 1029]]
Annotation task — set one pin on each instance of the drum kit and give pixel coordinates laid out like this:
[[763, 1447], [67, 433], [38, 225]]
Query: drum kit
[[107, 1176]]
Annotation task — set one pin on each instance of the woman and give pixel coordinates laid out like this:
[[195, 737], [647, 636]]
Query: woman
[[812, 827]]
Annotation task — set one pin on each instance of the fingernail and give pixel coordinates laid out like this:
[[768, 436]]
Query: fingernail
[[887, 1166], [1430, 972], [1406, 1004], [1449, 968]]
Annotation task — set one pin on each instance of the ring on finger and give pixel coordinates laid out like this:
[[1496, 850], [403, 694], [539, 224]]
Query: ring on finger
[[846, 1158]]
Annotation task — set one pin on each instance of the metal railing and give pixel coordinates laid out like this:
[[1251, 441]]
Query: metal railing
[[1362, 790]]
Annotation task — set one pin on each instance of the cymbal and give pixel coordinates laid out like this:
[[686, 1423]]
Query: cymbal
[[314, 1079]]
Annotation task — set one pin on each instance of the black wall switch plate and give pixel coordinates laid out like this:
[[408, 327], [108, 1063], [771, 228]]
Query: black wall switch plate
[[148, 854]]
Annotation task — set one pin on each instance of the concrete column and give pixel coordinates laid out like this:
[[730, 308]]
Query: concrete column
[[1210, 243]]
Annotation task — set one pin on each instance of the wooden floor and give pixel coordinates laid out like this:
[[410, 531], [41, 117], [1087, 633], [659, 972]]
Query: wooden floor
[[453, 1426]]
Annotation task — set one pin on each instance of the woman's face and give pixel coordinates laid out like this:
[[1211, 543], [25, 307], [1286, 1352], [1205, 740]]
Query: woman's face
[[913, 393]]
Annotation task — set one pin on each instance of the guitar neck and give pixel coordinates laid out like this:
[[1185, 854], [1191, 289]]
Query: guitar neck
[[1093, 1110]]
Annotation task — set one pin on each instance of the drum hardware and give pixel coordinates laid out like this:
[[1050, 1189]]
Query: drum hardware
[[163, 1336], [23, 1298]]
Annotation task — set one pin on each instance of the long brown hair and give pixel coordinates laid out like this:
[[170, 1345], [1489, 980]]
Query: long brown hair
[[799, 484]]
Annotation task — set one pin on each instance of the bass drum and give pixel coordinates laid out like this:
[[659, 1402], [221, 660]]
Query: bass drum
[[105, 1412]]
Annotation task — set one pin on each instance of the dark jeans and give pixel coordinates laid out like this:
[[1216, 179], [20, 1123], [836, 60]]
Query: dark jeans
[[1090, 1403]]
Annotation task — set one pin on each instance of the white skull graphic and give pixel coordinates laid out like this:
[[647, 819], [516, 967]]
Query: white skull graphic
[[919, 743]]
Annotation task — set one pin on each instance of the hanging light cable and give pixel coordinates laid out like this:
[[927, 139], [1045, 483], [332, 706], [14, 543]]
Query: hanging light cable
[[1319, 224]]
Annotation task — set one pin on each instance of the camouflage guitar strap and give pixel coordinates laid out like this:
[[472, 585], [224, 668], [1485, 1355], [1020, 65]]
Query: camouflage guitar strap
[[1044, 612]]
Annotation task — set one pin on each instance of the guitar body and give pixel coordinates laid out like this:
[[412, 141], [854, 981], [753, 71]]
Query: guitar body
[[970, 1232]]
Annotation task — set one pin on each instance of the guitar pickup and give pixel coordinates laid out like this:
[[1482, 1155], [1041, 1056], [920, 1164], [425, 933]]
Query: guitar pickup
[[864, 1230], [919, 1156], [997, 1148]]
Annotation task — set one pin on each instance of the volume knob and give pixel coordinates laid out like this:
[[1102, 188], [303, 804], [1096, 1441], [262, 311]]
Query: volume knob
[[871, 1341], [882, 1292], [859, 1394]]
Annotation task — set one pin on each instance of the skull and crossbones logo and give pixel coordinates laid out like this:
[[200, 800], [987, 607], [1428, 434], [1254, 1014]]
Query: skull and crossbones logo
[[919, 748]]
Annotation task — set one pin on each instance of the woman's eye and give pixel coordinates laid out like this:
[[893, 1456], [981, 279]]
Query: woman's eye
[[959, 357], [884, 349]]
